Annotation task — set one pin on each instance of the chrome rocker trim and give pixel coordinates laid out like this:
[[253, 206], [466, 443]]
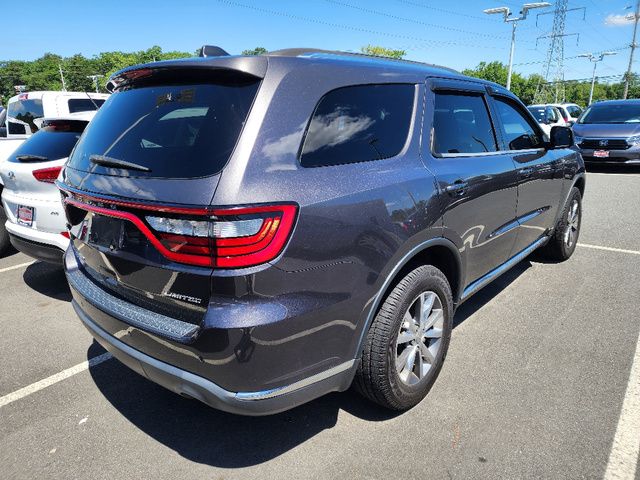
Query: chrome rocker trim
[[496, 272]]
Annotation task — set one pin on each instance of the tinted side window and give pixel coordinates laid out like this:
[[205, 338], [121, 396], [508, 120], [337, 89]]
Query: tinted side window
[[21, 115], [574, 111], [518, 133], [357, 124], [84, 104], [461, 124]]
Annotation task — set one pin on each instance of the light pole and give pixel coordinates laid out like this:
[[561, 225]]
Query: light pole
[[95, 78], [514, 20], [595, 59]]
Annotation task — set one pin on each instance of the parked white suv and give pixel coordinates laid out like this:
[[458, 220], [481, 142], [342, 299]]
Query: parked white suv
[[569, 111], [547, 116], [20, 122], [36, 223]]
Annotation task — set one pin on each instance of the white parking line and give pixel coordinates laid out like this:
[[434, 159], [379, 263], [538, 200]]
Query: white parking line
[[609, 249], [623, 458], [58, 377], [15, 267]]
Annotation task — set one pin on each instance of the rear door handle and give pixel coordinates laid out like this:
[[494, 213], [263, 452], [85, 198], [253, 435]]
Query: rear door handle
[[456, 188], [525, 172]]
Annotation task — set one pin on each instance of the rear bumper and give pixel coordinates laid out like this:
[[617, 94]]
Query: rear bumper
[[194, 386], [118, 326], [40, 251]]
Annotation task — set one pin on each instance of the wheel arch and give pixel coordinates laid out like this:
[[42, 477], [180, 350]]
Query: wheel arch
[[438, 252], [580, 184]]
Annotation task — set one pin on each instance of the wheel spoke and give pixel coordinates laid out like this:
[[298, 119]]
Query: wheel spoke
[[411, 359], [401, 360], [426, 353], [433, 333], [435, 317], [405, 337]]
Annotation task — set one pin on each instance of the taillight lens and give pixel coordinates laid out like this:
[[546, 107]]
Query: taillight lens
[[233, 238], [47, 175]]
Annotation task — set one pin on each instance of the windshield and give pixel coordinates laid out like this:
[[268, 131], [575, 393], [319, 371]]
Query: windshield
[[172, 131], [538, 113], [620, 113], [50, 143]]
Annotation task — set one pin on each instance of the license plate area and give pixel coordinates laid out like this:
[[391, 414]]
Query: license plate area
[[601, 153], [25, 215], [105, 232]]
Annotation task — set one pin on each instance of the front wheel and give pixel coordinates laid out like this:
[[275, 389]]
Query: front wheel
[[408, 340], [565, 237]]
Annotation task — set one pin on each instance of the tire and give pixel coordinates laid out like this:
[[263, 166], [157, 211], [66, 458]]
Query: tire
[[5, 245], [563, 242], [378, 378]]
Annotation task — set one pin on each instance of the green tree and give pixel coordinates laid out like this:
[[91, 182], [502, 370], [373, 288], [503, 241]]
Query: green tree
[[255, 51], [378, 51]]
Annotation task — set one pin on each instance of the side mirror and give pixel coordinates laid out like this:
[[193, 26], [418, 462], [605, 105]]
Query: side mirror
[[560, 137]]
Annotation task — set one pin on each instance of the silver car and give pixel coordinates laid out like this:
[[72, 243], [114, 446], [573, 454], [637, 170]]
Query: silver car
[[609, 132]]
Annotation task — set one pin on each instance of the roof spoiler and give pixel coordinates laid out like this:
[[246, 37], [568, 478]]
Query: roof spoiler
[[212, 51]]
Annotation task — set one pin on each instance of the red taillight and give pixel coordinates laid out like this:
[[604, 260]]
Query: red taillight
[[47, 175], [234, 238], [225, 238], [65, 234]]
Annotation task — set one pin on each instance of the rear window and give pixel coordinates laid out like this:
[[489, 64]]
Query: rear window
[[175, 131], [52, 142], [84, 104], [21, 114], [539, 113], [358, 124]]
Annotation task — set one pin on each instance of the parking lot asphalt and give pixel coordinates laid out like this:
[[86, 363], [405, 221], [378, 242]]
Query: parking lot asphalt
[[533, 386]]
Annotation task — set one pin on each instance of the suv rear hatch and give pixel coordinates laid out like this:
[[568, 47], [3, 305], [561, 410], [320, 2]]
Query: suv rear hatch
[[138, 186]]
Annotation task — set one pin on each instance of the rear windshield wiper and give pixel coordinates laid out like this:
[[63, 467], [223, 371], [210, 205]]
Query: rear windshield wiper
[[31, 158], [116, 163]]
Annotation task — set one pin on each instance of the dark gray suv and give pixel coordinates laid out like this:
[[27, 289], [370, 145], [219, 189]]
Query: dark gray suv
[[255, 232]]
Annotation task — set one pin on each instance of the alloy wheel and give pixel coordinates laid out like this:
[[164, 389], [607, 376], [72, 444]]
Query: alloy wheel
[[573, 223], [419, 339]]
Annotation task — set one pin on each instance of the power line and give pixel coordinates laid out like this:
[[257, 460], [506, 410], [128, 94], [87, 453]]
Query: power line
[[444, 10], [412, 20], [348, 27]]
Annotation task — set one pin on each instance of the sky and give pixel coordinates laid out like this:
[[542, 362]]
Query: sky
[[452, 33]]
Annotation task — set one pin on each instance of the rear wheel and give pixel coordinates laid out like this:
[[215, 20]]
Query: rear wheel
[[565, 237], [408, 340]]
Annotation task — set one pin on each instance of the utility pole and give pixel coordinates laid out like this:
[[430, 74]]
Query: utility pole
[[64, 85], [595, 59], [514, 20], [627, 77], [95, 78], [553, 70]]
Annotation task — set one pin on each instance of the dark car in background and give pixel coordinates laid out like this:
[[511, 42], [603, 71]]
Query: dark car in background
[[609, 132], [257, 231]]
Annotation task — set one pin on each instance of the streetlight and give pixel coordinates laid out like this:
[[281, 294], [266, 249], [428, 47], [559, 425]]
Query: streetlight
[[514, 20], [95, 78], [595, 59]]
